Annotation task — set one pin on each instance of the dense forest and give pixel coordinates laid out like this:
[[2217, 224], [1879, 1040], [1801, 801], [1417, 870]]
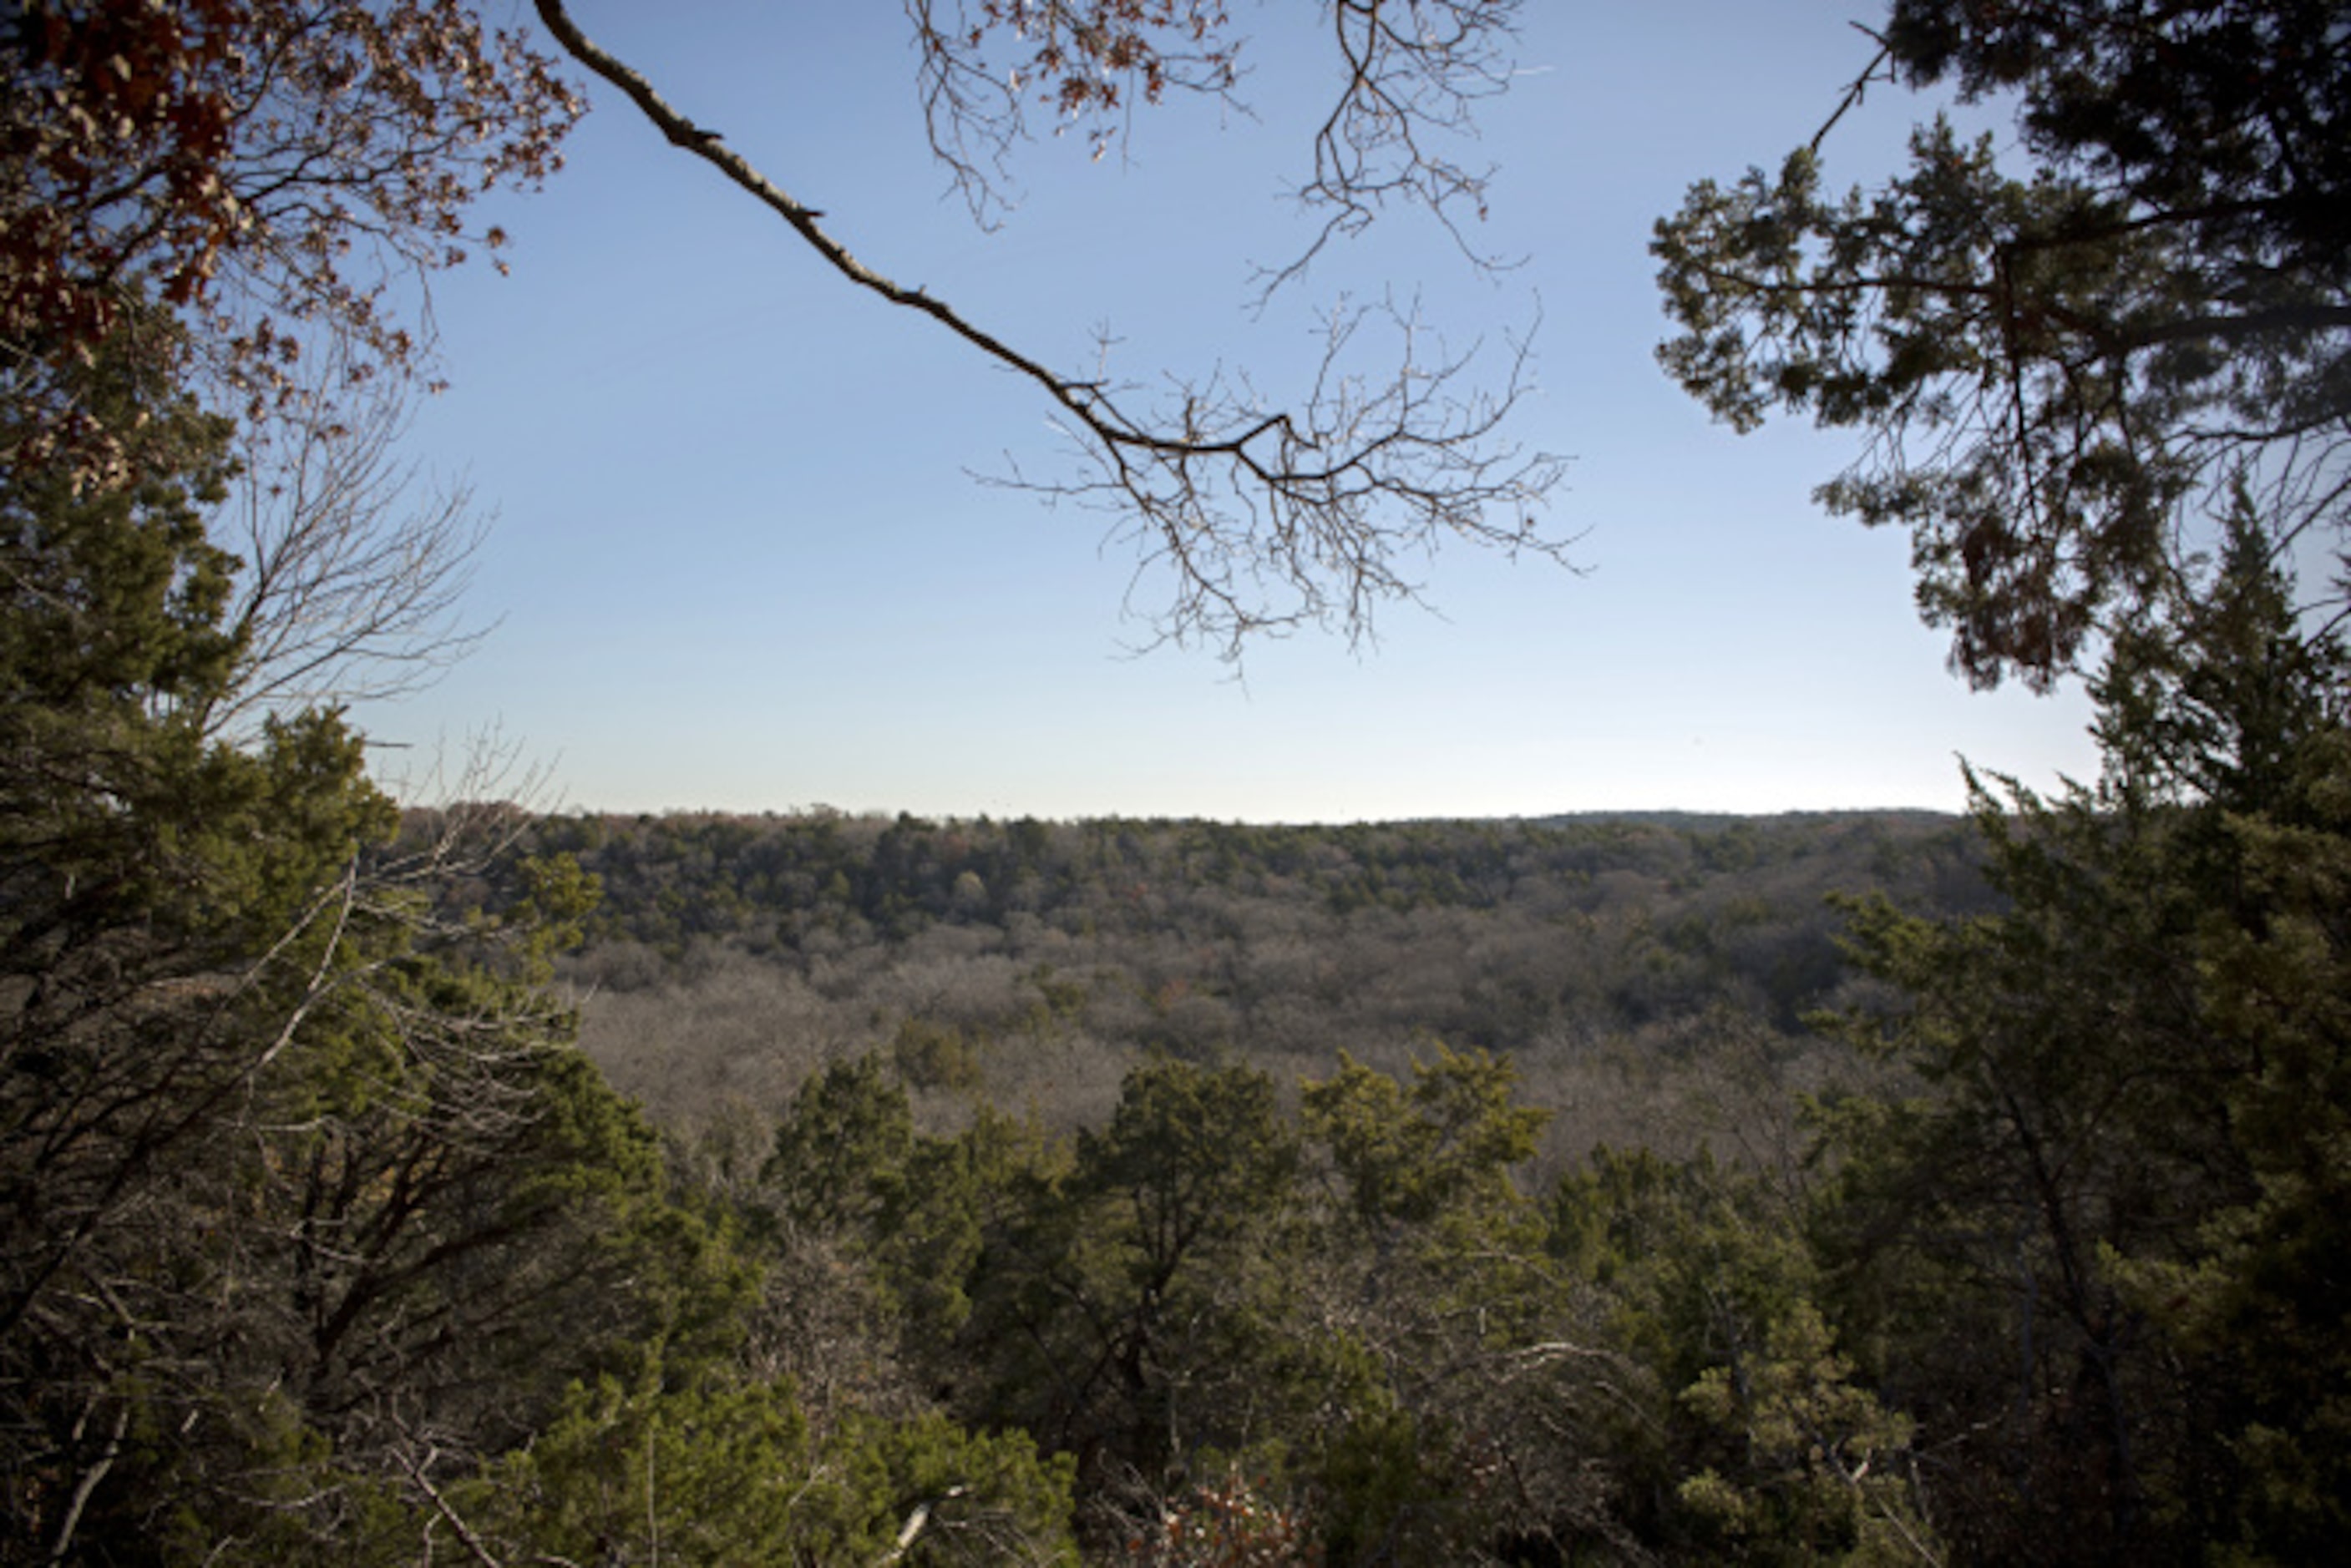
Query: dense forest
[[1624, 965], [1856, 1188], [384, 1185]]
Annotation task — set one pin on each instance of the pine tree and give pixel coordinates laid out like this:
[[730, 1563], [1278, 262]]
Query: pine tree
[[2102, 1256]]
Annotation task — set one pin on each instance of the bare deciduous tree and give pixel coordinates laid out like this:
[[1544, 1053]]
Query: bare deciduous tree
[[354, 563]]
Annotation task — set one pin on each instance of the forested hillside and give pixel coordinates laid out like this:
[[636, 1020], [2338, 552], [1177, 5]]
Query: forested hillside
[[1645, 975]]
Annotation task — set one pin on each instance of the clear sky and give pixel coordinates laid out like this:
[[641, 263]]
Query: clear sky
[[740, 561]]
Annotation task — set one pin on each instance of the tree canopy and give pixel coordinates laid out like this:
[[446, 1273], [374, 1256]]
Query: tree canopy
[[266, 170], [2065, 358]]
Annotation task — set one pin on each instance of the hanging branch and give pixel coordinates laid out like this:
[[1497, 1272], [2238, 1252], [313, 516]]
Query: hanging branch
[[1266, 518]]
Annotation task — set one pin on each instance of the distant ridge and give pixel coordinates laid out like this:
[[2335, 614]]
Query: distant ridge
[[1713, 821]]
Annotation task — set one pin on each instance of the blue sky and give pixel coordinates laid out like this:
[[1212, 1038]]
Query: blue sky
[[740, 561]]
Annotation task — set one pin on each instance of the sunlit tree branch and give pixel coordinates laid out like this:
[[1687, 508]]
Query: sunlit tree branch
[[1265, 516], [1415, 73]]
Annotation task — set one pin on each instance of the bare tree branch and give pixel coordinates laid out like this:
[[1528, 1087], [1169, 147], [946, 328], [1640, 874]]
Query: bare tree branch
[[88, 1482], [1264, 522], [1265, 517], [353, 571], [1085, 60], [466, 1537], [1415, 72]]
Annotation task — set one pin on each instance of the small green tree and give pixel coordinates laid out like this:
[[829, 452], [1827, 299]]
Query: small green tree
[[1743, 1432], [1119, 1310], [1446, 1144], [1456, 1366], [1819, 1475], [722, 1478]]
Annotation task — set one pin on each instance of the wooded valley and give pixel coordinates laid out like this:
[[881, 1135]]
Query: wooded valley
[[1589, 1189], [1622, 964]]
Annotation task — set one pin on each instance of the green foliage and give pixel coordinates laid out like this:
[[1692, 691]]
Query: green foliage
[[1184, 1289], [2054, 367], [114, 588], [1194, 1154], [1819, 1477], [861, 1215], [933, 1055], [1455, 1367], [1715, 1249], [1449, 1143], [302, 1182], [722, 1478], [2127, 1170], [840, 1156], [1118, 1303], [2251, 1298], [962, 1195]]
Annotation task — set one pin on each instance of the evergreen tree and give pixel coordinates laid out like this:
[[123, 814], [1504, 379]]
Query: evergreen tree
[[2064, 353], [2102, 1257], [302, 1183]]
